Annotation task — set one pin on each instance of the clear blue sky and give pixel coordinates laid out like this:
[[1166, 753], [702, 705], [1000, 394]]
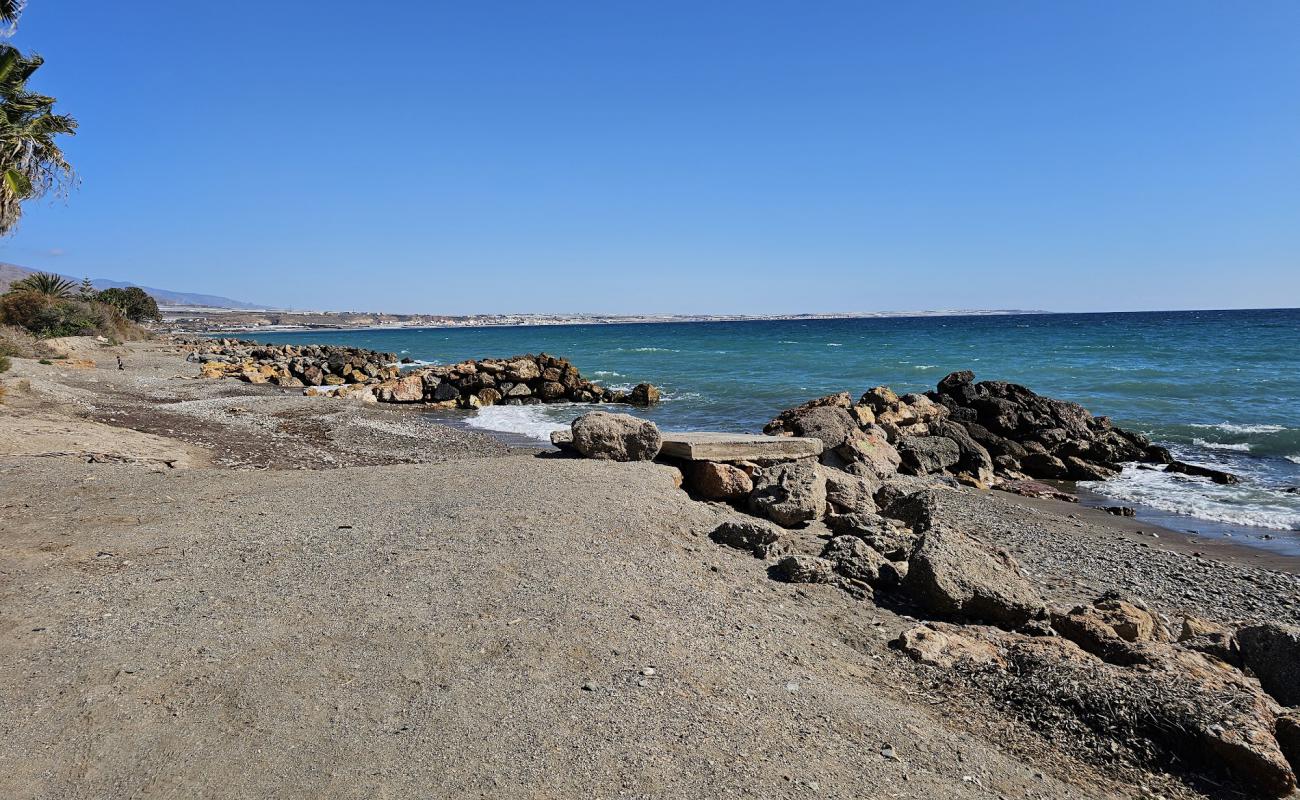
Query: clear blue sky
[[679, 156]]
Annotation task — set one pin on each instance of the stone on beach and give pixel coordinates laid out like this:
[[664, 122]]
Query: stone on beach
[[758, 536], [791, 494], [713, 480], [950, 574], [615, 437]]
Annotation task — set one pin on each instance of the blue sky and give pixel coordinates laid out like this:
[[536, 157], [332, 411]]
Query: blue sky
[[678, 156]]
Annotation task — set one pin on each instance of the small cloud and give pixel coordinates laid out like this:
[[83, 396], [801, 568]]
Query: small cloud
[[55, 252]]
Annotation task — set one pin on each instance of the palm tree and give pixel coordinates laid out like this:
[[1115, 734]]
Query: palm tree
[[45, 283], [31, 163], [9, 11]]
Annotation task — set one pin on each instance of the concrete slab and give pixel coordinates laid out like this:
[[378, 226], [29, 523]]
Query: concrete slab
[[709, 446]]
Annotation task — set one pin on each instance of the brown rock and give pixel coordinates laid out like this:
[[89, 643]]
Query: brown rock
[[644, 394], [944, 646], [716, 481]]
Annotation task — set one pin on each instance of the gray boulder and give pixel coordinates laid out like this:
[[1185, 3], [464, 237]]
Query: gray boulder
[[1272, 652], [804, 569], [923, 455], [790, 494], [850, 494], [759, 537], [855, 560], [919, 510], [832, 424], [616, 437], [952, 575]]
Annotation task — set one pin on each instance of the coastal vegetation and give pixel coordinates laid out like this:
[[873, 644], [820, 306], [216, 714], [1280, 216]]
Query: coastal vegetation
[[32, 164], [133, 302], [45, 306]]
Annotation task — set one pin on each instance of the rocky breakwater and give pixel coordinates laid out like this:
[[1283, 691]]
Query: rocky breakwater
[[990, 433], [291, 365], [519, 380], [860, 505], [371, 376]]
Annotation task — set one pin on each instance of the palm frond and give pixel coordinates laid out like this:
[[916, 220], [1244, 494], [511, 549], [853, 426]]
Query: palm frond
[[10, 10], [45, 283], [31, 162]]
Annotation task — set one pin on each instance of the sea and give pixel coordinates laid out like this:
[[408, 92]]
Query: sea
[[1220, 388]]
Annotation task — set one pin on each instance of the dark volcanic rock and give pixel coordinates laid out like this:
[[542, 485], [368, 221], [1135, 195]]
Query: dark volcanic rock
[[1216, 475], [761, 538]]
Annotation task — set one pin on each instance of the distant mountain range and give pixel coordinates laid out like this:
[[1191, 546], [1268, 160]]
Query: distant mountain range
[[10, 273]]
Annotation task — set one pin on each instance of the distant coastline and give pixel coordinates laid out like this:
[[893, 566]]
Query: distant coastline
[[221, 320]]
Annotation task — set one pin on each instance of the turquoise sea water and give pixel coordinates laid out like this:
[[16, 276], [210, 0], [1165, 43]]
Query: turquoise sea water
[[1218, 387]]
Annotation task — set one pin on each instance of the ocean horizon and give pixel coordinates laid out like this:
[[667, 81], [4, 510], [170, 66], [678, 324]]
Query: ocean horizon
[[1220, 388]]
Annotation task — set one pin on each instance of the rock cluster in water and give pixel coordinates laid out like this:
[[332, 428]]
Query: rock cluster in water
[[372, 376], [976, 432]]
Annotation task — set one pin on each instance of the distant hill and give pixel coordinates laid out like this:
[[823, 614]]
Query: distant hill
[[10, 273]]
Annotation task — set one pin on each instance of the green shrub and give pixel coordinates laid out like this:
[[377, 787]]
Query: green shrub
[[45, 361], [48, 317], [5, 363], [135, 303]]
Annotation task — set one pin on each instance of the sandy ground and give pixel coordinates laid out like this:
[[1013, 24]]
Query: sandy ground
[[185, 611]]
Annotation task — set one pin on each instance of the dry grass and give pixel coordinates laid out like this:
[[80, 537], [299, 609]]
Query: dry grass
[[18, 343]]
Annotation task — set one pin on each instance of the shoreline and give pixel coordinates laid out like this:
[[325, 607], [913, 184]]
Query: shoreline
[[171, 536]]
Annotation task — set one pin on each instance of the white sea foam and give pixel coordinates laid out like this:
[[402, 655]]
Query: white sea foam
[[605, 373], [648, 350], [1229, 427], [1293, 459], [1241, 447], [1241, 504], [926, 366], [834, 344], [535, 422]]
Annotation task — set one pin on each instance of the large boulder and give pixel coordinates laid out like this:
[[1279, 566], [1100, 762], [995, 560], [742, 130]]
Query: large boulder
[[1272, 652], [790, 494], [919, 510], [524, 369], [923, 455], [1112, 628], [615, 437], [784, 423], [950, 574], [831, 424], [974, 460], [1210, 638]]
